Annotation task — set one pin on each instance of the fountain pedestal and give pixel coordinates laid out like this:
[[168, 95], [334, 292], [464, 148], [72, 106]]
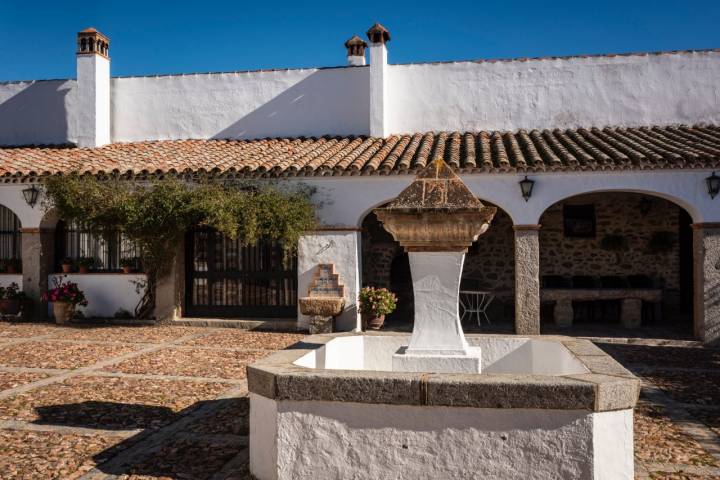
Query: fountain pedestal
[[436, 219], [437, 343]]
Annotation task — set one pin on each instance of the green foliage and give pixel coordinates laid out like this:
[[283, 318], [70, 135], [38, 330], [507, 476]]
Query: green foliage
[[377, 301], [11, 292], [156, 215]]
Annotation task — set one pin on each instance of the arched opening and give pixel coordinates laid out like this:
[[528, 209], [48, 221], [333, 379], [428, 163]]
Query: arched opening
[[10, 242], [616, 262], [489, 268]]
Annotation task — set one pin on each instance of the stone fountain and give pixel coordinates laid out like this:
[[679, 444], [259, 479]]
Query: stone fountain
[[390, 405], [436, 219]]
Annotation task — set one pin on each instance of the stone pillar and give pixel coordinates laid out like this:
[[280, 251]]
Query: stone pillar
[[38, 251], [170, 291], [527, 279], [706, 284], [631, 312], [341, 247]]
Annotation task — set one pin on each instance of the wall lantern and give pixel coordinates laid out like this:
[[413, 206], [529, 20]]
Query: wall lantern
[[526, 187], [31, 195], [713, 184]]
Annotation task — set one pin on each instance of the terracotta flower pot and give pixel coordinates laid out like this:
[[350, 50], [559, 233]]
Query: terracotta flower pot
[[10, 306], [127, 269], [67, 267], [11, 269], [375, 322], [83, 269], [63, 312]]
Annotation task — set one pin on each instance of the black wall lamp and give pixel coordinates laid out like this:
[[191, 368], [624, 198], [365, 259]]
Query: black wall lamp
[[526, 187], [31, 195], [713, 185]]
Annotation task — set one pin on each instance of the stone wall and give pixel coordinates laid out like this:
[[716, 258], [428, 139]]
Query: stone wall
[[490, 261], [633, 216]]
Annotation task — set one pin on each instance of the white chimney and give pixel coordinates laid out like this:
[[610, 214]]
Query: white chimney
[[93, 89], [378, 36], [356, 51]]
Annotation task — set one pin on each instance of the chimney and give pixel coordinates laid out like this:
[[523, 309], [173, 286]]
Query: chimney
[[356, 51], [93, 89], [378, 36]]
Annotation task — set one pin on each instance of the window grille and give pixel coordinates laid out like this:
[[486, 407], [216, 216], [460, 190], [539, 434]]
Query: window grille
[[9, 235], [75, 241]]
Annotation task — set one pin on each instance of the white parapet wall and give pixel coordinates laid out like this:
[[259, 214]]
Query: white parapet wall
[[7, 278], [107, 293]]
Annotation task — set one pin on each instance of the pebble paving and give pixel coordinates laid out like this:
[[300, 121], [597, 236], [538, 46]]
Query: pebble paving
[[170, 402]]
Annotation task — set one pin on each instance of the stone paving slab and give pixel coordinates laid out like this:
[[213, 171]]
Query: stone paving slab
[[48, 354], [108, 402], [231, 338], [191, 362], [15, 379]]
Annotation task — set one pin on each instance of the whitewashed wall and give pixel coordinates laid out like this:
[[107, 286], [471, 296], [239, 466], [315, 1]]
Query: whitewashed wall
[[560, 93], [106, 292], [7, 278], [37, 112], [508, 95], [307, 102]]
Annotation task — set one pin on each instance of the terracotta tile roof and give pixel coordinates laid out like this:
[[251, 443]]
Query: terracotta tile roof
[[581, 149]]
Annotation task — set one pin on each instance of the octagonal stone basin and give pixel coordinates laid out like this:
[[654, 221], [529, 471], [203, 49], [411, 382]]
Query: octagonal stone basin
[[545, 407]]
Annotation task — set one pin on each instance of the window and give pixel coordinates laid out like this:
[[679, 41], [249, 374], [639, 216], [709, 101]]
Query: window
[[9, 236], [579, 221], [74, 241]]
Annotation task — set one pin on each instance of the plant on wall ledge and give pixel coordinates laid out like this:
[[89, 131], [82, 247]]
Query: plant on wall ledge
[[661, 243], [156, 215], [616, 243]]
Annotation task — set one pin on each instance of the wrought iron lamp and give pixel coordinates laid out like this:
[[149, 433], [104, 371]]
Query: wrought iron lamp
[[526, 187], [31, 195], [713, 185]]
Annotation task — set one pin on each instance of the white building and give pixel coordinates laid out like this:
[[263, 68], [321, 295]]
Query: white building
[[620, 149]]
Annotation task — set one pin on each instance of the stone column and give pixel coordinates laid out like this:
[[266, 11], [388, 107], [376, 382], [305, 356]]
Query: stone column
[[170, 290], [706, 284], [527, 279], [341, 247], [37, 251]]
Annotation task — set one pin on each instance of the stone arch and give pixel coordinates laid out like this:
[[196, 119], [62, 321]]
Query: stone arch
[[618, 239], [489, 265]]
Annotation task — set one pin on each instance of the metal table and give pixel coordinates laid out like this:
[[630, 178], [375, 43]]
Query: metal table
[[475, 302]]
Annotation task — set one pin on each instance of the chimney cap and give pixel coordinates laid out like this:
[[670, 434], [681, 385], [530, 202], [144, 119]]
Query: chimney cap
[[92, 42], [378, 34], [355, 41]]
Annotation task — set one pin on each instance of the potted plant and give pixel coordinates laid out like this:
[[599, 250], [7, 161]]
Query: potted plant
[[85, 264], [127, 264], [375, 303], [12, 265], [67, 264], [65, 297], [11, 299]]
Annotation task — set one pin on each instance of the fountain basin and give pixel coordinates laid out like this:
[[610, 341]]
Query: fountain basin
[[544, 407]]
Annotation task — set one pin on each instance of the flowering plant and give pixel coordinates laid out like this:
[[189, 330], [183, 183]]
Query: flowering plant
[[65, 292], [377, 301], [11, 292]]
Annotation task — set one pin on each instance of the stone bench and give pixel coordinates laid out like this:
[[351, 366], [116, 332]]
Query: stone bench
[[630, 309]]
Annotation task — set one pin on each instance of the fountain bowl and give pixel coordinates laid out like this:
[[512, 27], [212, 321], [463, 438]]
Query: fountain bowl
[[545, 407]]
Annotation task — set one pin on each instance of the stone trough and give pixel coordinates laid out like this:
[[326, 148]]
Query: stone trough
[[436, 404]]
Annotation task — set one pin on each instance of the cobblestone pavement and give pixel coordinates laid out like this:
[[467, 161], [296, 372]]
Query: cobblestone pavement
[[100, 402], [170, 402], [677, 421]]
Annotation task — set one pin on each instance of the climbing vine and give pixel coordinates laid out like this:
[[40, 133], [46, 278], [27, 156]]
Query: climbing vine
[[155, 215]]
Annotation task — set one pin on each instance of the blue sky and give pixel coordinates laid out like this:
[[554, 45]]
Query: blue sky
[[148, 37]]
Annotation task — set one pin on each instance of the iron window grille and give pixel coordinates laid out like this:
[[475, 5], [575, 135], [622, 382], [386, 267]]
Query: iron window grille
[[75, 241], [9, 235]]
